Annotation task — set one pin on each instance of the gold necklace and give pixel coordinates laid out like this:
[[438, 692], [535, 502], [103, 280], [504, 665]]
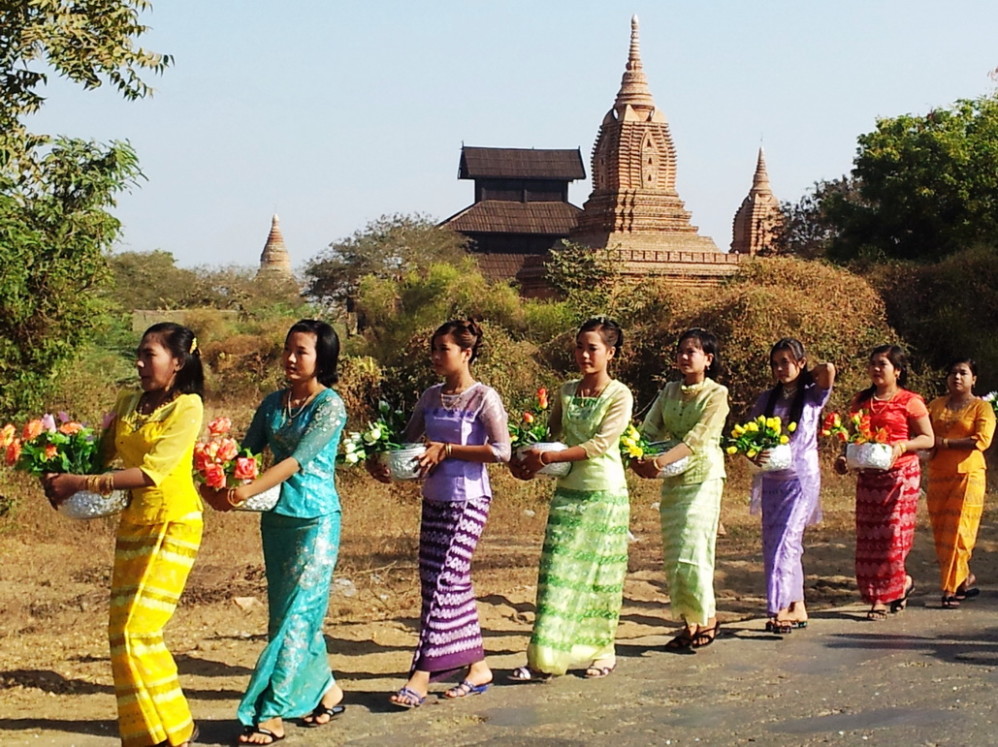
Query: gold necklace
[[594, 393], [289, 405], [146, 406]]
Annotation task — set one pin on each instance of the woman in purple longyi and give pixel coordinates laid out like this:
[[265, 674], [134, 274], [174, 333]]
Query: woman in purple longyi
[[788, 499], [463, 424]]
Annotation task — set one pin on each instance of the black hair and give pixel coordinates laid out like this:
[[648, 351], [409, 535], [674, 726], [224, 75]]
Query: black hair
[[804, 380], [609, 331], [327, 348], [898, 358], [708, 344], [970, 362], [182, 344], [466, 333]]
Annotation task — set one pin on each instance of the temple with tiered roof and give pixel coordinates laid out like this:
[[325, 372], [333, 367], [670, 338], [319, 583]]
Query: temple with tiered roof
[[759, 219], [634, 211]]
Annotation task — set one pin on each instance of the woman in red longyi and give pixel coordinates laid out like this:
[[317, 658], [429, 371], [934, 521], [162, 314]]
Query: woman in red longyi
[[886, 500]]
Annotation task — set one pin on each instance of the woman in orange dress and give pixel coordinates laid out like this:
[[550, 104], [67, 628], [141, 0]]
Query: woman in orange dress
[[963, 425]]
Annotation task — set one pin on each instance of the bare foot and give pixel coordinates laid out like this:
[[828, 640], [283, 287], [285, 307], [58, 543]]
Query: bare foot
[[796, 613]]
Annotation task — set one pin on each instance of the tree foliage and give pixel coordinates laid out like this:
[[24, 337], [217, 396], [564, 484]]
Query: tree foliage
[[53, 237], [55, 228], [807, 230], [386, 248], [86, 41], [927, 186], [152, 281]]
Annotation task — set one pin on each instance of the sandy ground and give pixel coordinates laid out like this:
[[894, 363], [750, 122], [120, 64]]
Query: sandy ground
[[840, 680]]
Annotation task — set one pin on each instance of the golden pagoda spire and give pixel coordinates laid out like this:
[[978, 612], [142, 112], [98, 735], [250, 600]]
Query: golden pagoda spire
[[634, 85]]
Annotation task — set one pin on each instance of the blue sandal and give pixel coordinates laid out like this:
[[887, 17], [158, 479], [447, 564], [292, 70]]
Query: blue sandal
[[406, 698], [465, 689]]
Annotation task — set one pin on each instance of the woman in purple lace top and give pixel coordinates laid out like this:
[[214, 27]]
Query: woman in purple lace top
[[463, 423], [788, 499]]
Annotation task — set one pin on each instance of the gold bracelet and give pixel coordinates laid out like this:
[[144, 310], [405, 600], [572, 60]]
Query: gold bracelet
[[541, 459], [107, 484], [90, 483], [904, 447], [447, 447], [945, 443]]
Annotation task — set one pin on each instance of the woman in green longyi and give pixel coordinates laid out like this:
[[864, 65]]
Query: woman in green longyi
[[580, 584], [690, 413]]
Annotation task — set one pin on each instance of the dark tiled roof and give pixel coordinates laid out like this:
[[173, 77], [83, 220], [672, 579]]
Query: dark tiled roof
[[500, 216], [496, 266], [520, 163]]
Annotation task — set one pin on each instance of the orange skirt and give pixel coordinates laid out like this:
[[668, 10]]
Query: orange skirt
[[955, 503]]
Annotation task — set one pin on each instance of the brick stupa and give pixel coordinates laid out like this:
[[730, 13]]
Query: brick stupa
[[759, 218], [275, 262], [634, 204]]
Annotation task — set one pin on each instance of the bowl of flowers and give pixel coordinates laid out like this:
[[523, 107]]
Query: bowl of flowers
[[635, 446], [763, 441], [531, 431], [381, 440], [866, 448], [61, 444], [219, 463]]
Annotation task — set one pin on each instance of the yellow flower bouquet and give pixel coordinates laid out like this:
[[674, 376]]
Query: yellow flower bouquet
[[635, 446], [764, 441]]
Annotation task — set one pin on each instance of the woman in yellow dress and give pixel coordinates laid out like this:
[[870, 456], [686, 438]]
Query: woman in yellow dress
[[963, 425], [153, 434]]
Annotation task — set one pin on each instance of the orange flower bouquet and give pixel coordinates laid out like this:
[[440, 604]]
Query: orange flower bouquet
[[61, 444], [866, 448], [531, 431], [219, 464]]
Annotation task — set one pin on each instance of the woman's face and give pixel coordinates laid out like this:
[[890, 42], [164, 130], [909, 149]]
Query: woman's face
[[785, 367], [960, 379], [447, 357], [299, 357], [882, 371], [592, 355], [690, 358], [156, 365]]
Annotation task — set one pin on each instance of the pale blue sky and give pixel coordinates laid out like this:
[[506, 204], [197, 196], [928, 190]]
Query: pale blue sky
[[332, 113]]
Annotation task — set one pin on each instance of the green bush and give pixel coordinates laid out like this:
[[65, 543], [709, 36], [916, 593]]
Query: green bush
[[947, 311], [837, 315]]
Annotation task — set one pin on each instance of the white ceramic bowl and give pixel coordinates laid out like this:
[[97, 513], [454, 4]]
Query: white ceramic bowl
[[264, 501], [87, 505], [869, 456], [677, 467], [777, 458], [555, 469], [403, 464]]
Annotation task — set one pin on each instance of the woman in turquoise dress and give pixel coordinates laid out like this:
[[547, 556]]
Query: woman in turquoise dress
[[301, 425], [690, 412], [580, 584]]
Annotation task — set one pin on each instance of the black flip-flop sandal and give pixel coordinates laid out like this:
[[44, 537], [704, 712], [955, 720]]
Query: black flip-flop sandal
[[321, 710], [899, 604], [705, 637], [250, 731]]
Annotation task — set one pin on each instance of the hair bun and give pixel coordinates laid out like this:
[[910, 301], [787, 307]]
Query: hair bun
[[474, 327]]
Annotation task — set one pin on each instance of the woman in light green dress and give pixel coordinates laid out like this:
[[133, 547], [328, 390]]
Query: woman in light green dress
[[580, 584], [691, 412]]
